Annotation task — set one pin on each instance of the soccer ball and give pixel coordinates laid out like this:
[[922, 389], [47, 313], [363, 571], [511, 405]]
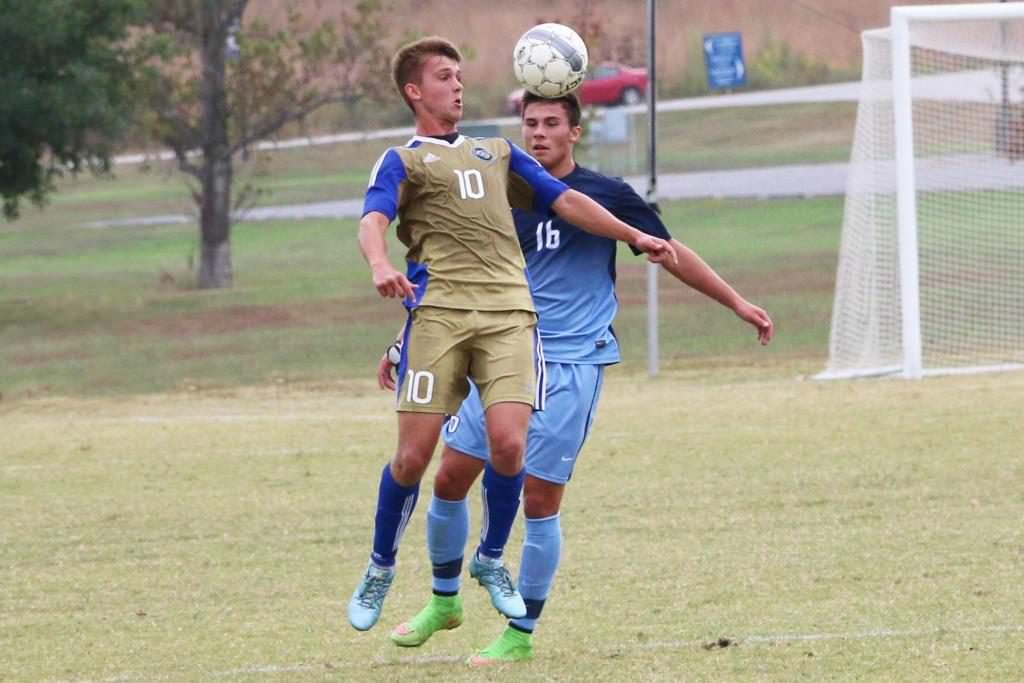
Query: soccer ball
[[550, 60]]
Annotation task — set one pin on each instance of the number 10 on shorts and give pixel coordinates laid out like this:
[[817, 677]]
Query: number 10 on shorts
[[419, 386]]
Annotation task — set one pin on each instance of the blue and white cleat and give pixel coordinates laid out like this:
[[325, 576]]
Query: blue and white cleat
[[492, 575], [365, 606]]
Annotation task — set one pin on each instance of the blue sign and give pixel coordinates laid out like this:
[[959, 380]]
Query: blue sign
[[723, 56]]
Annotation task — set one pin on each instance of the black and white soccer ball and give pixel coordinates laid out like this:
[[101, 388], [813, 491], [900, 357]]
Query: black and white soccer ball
[[550, 60]]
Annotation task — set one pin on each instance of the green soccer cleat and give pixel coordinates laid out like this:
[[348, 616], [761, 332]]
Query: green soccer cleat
[[442, 613], [368, 599], [511, 646], [493, 576]]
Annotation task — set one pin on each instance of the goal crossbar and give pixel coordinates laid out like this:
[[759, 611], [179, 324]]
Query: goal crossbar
[[982, 11]]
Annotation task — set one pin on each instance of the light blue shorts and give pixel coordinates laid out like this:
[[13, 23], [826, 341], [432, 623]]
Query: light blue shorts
[[556, 434]]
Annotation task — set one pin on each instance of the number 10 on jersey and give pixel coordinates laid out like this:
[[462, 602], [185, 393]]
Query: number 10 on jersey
[[471, 183]]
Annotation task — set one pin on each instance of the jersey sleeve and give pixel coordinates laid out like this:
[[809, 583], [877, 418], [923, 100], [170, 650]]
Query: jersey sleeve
[[530, 186], [386, 178], [632, 210]]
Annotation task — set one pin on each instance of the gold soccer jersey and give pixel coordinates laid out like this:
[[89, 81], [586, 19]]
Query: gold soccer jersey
[[452, 200]]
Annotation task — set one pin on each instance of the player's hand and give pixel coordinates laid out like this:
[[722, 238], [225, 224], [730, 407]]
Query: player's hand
[[386, 373], [657, 249], [757, 317], [391, 283], [388, 364]]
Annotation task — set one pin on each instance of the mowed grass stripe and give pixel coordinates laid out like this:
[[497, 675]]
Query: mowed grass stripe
[[113, 312], [421, 660], [743, 508]]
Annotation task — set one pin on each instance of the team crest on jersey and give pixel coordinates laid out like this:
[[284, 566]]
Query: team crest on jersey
[[481, 153]]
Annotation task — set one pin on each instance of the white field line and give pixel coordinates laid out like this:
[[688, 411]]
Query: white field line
[[123, 461], [773, 639], [163, 419], [755, 639], [171, 419]]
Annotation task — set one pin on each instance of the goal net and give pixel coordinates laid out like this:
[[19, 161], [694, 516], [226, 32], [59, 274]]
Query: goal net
[[931, 263]]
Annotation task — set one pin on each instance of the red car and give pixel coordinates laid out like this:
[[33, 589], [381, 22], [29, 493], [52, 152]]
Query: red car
[[608, 83]]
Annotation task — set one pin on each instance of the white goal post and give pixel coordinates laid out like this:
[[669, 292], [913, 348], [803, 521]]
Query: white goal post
[[931, 265]]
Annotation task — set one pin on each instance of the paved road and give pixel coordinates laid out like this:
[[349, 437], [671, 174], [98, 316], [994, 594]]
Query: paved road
[[981, 86], [778, 181], [965, 172], [833, 92]]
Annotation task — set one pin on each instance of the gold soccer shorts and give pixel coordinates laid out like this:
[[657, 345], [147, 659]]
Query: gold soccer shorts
[[444, 347]]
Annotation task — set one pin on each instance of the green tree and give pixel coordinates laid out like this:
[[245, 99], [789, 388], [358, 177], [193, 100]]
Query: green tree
[[218, 82], [65, 91]]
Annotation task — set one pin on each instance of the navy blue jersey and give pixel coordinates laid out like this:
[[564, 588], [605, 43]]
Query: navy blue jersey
[[572, 272]]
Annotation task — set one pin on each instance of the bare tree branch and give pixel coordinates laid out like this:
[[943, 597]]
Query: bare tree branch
[[202, 98], [273, 121], [235, 11], [186, 166]]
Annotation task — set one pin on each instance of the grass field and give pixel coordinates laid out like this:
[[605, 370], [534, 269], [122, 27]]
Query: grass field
[[186, 478], [89, 311], [747, 528], [112, 311]]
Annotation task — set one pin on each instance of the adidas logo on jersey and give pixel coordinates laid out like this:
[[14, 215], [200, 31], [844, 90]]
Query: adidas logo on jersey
[[430, 158]]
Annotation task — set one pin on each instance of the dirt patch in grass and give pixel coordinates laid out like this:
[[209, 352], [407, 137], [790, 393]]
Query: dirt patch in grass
[[227, 320], [186, 354], [43, 358], [799, 279], [244, 318]]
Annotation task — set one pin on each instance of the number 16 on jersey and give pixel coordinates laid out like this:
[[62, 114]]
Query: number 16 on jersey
[[547, 237]]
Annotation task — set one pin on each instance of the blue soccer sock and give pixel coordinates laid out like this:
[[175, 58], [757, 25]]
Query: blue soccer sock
[[501, 503], [447, 531], [395, 504], [542, 548]]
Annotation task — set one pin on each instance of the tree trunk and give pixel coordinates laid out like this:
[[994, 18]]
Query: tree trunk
[[215, 265], [215, 226], [216, 171]]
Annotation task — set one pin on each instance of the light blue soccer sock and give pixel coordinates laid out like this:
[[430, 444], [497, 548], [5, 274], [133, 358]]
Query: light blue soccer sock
[[542, 549], [395, 504], [501, 503], [447, 532]]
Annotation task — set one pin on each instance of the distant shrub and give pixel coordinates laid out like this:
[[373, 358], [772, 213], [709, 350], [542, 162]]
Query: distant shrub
[[691, 81], [775, 65]]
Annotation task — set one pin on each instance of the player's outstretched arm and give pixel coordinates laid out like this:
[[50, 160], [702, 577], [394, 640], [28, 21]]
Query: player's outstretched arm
[[388, 281], [691, 270], [581, 210]]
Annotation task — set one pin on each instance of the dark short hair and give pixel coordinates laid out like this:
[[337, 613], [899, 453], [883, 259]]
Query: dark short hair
[[407, 64], [569, 102]]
